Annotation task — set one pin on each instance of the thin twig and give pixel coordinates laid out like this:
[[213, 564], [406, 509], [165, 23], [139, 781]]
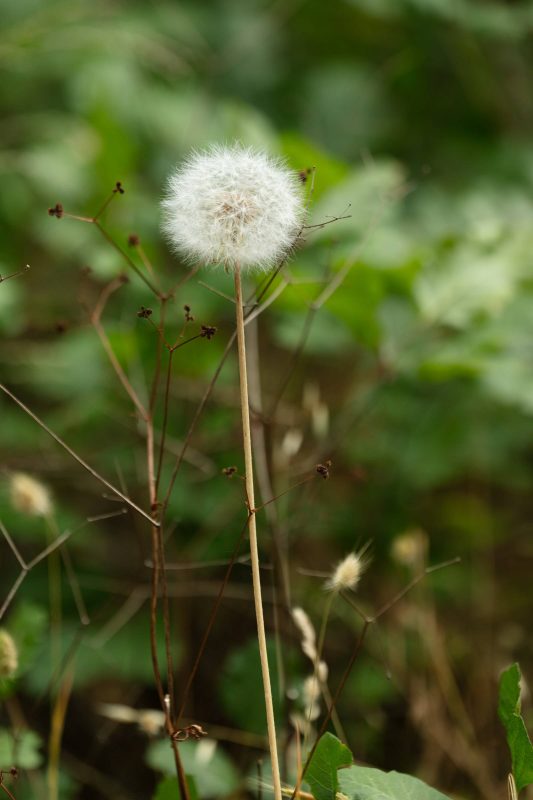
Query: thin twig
[[210, 623], [4, 278], [165, 421], [217, 292], [157, 371], [129, 261], [78, 458], [357, 648], [255, 310], [323, 297]]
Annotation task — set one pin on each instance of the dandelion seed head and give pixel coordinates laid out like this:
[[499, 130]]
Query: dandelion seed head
[[233, 205], [29, 496], [347, 573], [9, 659]]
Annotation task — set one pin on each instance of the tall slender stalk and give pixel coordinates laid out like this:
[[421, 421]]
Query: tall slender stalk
[[58, 704], [256, 576]]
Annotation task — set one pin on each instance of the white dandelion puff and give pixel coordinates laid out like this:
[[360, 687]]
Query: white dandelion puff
[[233, 205], [29, 496], [347, 573]]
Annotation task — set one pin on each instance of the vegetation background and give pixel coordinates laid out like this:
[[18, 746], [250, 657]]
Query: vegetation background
[[415, 377]]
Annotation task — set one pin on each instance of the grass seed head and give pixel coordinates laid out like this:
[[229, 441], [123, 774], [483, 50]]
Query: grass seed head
[[29, 496], [347, 573], [9, 659]]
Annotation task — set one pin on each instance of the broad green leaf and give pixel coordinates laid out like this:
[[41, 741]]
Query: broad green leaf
[[21, 750], [517, 736], [27, 625], [321, 775], [241, 690], [213, 772], [168, 789], [366, 783]]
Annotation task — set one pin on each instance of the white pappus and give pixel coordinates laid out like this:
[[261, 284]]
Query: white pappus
[[233, 205]]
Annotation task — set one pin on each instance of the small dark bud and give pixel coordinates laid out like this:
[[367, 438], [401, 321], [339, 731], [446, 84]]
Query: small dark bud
[[304, 174], [144, 313], [229, 472], [118, 188], [123, 278], [323, 469], [208, 331], [188, 316], [56, 211], [133, 240], [61, 326]]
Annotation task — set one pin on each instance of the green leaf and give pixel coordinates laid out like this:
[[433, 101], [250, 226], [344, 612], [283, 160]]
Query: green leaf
[[517, 736], [29, 625], [365, 783], [241, 691], [21, 750], [168, 789], [321, 775], [213, 772], [124, 656]]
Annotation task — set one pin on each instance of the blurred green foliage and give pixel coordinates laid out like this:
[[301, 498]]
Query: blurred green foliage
[[415, 376]]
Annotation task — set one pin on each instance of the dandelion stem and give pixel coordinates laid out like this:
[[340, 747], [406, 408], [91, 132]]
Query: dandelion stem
[[256, 576]]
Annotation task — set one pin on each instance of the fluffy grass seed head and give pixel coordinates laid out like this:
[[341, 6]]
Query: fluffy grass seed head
[[347, 573], [307, 632], [410, 548], [9, 658], [29, 496], [233, 205]]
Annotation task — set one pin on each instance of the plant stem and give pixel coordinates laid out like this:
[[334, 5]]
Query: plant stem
[[58, 706], [256, 577]]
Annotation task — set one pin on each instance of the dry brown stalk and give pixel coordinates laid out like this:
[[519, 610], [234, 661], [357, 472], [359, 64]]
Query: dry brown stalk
[[254, 552]]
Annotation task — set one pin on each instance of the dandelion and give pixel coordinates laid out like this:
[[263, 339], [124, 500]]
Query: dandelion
[[9, 659], [244, 209], [233, 205], [347, 573], [29, 496]]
